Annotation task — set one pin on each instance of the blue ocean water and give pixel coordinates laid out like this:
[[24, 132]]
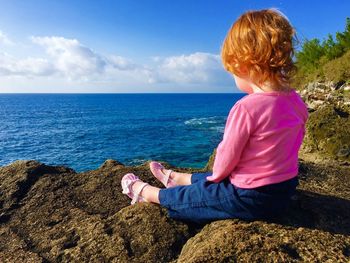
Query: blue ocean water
[[83, 130]]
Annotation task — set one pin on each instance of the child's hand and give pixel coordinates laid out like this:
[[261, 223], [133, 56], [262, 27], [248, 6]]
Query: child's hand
[[212, 178]]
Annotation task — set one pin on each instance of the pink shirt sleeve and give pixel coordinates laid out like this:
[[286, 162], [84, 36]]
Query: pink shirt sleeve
[[238, 129]]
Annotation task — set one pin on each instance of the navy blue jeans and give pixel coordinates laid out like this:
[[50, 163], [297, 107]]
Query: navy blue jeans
[[204, 201]]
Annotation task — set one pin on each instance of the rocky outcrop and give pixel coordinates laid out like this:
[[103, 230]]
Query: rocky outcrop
[[231, 240], [328, 126], [53, 214], [316, 94], [56, 215]]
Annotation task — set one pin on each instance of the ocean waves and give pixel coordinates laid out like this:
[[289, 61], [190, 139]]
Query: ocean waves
[[83, 130], [214, 123]]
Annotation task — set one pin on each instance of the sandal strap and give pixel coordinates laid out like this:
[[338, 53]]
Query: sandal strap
[[167, 176], [127, 185], [137, 193]]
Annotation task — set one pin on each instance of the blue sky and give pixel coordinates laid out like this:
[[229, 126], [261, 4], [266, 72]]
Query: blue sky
[[134, 46]]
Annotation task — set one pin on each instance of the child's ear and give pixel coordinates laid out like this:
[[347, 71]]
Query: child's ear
[[244, 71]]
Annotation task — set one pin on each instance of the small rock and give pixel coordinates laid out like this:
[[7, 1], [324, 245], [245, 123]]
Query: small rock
[[110, 163]]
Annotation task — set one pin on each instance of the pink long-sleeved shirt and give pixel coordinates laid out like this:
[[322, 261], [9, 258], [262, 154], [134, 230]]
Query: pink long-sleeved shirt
[[262, 137]]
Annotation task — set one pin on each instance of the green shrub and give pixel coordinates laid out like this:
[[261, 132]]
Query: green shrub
[[328, 60], [338, 70]]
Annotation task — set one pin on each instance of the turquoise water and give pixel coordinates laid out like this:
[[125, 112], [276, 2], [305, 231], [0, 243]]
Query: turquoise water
[[83, 130]]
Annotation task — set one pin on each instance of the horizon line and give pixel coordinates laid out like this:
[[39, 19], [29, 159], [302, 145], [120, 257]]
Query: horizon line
[[76, 93]]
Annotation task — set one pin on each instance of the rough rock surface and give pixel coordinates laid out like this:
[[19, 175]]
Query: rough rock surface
[[316, 94], [52, 214], [262, 242], [328, 127]]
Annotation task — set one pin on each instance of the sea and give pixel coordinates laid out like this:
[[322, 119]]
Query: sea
[[83, 130]]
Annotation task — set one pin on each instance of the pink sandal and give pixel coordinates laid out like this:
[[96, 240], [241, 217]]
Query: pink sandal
[[127, 181], [156, 169]]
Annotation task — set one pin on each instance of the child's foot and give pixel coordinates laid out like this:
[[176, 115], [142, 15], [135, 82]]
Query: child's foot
[[162, 174], [127, 183]]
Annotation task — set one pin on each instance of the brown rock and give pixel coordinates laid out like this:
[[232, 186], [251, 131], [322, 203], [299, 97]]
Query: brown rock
[[328, 132], [232, 240], [52, 214]]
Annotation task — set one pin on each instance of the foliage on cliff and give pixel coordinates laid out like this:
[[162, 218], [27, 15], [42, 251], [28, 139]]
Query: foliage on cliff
[[328, 60]]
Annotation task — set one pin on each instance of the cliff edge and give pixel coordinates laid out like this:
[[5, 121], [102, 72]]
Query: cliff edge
[[53, 214]]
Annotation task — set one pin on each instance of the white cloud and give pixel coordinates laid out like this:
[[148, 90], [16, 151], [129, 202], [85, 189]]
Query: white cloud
[[4, 39], [121, 63], [194, 68], [77, 62], [29, 67], [69, 60]]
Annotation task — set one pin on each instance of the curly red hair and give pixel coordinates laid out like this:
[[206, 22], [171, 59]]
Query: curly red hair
[[259, 46]]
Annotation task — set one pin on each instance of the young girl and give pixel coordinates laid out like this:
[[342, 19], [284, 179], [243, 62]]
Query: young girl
[[256, 164]]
